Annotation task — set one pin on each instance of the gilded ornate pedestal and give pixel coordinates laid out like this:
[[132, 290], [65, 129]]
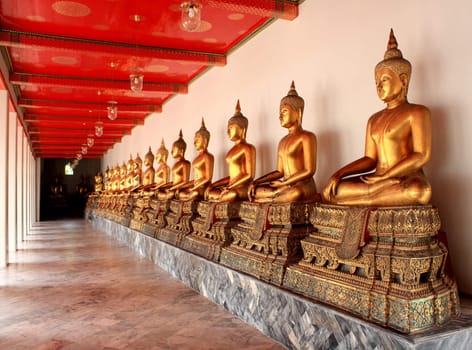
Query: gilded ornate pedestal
[[156, 216], [141, 204], [212, 228], [179, 221], [383, 264], [267, 240]]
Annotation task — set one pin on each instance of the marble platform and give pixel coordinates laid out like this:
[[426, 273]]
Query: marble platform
[[293, 321]]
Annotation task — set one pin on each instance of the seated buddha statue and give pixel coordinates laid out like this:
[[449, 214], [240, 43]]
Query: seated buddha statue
[[98, 187], [202, 167], [148, 174], [241, 161], [180, 171], [129, 173], [162, 174], [137, 173], [398, 145], [124, 177], [107, 179], [115, 183], [296, 159]]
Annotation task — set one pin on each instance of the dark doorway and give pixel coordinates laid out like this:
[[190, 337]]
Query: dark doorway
[[65, 195]]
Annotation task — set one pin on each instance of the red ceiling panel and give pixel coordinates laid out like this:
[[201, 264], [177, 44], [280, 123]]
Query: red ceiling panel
[[65, 60]]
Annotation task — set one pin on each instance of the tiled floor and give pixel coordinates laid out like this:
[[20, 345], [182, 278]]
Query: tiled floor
[[70, 287]]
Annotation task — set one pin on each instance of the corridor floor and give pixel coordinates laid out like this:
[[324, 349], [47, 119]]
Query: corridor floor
[[72, 287]]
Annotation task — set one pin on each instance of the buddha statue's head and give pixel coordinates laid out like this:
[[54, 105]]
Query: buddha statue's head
[[162, 153], [240, 120], [202, 137], [294, 101], [148, 158], [394, 61], [179, 147], [138, 162]]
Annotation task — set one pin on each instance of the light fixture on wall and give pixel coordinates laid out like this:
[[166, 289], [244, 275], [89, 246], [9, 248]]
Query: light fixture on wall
[[79, 156], [136, 78], [191, 15], [84, 150]]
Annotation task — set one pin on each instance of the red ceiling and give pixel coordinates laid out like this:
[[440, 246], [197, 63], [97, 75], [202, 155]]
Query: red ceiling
[[64, 60]]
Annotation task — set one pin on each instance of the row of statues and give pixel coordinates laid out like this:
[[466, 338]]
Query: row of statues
[[397, 146], [367, 243]]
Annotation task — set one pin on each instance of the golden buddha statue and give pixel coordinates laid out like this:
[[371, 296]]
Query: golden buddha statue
[[162, 174], [149, 172], [98, 182], [116, 178], [137, 172], [124, 177], [202, 167], [180, 171], [398, 145], [241, 160], [296, 159], [129, 172], [107, 179]]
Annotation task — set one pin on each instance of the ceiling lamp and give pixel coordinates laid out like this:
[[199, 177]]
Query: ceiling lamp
[[112, 110], [98, 128], [191, 15], [136, 79], [90, 140], [79, 156], [84, 150]]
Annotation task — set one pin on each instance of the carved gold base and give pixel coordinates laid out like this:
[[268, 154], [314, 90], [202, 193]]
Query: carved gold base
[[174, 237], [180, 215], [383, 264], [202, 246], [212, 229], [267, 240], [389, 305]]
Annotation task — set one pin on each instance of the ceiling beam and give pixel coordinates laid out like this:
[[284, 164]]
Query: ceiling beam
[[93, 107], [23, 79], [283, 9], [12, 38]]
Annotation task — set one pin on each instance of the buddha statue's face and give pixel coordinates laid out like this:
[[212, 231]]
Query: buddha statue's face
[[177, 152], [200, 142], [389, 84], [147, 162], [235, 132], [289, 116]]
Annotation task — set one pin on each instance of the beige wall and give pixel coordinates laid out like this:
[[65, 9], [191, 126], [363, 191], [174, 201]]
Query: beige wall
[[330, 51]]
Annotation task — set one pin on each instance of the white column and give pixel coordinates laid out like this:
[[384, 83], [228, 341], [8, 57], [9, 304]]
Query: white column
[[3, 178], [37, 189], [23, 185], [19, 184], [12, 183]]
